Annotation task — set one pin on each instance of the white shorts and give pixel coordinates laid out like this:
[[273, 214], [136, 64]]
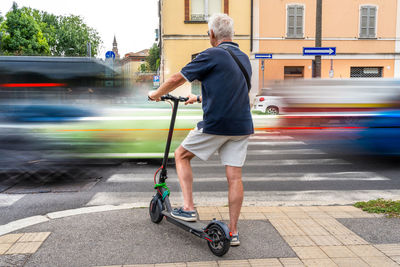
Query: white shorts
[[231, 149]]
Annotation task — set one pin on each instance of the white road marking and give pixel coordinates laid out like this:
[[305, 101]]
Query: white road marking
[[8, 199], [122, 155], [270, 137], [277, 143], [273, 177], [277, 162], [285, 151], [256, 198]]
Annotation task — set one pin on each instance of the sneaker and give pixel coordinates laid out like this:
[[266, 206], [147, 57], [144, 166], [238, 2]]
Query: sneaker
[[235, 240], [188, 216]]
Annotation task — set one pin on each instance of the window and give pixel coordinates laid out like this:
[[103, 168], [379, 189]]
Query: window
[[366, 72], [202, 9], [368, 22], [295, 15], [293, 72]]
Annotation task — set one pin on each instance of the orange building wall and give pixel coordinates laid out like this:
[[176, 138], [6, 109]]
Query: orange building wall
[[340, 23], [342, 67], [274, 69]]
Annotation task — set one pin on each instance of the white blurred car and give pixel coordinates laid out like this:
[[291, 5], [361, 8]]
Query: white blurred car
[[268, 104]]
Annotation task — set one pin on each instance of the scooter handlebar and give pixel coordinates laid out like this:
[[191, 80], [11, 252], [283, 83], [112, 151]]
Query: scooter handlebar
[[171, 97]]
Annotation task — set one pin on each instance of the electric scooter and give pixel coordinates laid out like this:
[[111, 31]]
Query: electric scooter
[[215, 232]]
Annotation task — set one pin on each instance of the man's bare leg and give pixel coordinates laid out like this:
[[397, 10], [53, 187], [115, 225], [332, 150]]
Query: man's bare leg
[[235, 195], [185, 175]]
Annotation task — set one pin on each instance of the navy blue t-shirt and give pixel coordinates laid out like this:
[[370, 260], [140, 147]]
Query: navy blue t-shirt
[[225, 98]]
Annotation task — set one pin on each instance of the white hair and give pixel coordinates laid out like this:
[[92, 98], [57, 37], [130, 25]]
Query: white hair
[[222, 26]]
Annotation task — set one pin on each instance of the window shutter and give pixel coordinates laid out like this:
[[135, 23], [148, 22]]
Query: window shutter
[[290, 21], [295, 21], [368, 22], [299, 21], [372, 20]]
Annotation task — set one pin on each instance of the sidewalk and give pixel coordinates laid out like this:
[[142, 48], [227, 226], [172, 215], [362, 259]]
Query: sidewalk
[[270, 236]]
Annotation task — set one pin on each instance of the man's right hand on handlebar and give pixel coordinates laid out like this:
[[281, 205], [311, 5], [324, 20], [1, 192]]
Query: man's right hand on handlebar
[[153, 96]]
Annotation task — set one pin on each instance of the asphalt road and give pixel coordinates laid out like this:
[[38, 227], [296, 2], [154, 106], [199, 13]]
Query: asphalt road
[[287, 168]]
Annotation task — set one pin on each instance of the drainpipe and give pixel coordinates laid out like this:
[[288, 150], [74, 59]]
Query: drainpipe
[[251, 26]]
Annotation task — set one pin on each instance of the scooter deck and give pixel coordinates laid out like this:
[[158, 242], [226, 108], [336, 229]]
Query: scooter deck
[[195, 228]]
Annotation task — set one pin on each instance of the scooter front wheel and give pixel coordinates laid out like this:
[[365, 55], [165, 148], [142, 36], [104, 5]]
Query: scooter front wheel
[[219, 244], [155, 209]]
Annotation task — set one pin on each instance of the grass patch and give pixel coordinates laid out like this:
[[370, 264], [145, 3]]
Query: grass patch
[[389, 207]]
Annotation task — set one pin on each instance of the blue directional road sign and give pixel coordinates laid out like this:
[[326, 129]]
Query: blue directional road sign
[[263, 56], [110, 54], [319, 51]]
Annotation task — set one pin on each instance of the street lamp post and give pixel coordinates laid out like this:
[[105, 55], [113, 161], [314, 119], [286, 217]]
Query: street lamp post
[[1, 37]]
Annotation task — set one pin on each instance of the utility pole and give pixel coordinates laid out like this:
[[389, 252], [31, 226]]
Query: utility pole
[[89, 49], [318, 37]]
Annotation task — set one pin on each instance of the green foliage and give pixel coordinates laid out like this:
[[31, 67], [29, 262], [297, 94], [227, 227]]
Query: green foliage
[[389, 207], [28, 31], [154, 58], [73, 36], [143, 68], [22, 35]]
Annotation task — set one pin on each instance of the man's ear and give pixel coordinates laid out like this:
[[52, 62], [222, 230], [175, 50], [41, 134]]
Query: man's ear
[[212, 34]]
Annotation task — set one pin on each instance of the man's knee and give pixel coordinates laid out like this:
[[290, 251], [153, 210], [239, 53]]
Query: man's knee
[[182, 154], [234, 174]]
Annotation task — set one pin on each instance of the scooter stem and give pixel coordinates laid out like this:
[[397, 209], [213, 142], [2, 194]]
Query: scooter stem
[[163, 175]]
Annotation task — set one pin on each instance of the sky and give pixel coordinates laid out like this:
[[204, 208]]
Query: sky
[[132, 21]]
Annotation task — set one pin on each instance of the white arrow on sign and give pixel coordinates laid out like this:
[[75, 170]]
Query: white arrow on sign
[[319, 51]]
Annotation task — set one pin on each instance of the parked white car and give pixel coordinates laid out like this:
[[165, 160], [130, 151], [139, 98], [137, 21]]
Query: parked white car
[[268, 104]]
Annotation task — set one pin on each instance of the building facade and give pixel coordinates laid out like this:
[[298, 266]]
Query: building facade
[[366, 35], [183, 32], [132, 61]]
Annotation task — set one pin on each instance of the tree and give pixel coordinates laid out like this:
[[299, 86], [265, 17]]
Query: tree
[[154, 58], [28, 31], [22, 35], [73, 35]]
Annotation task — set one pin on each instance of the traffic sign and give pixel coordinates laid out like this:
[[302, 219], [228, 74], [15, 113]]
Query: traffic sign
[[319, 51], [110, 54], [263, 56], [156, 81]]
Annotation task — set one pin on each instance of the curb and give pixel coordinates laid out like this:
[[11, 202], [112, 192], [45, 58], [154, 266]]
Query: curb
[[29, 221]]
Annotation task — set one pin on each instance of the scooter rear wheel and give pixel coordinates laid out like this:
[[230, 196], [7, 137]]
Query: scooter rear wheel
[[219, 245], [155, 209]]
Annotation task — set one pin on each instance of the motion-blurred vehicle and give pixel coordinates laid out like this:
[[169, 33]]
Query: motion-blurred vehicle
[[364, 112], [267, 103], [38, 93]]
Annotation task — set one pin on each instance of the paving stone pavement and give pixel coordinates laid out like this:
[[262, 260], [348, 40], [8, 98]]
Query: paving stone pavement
[[314, 235]]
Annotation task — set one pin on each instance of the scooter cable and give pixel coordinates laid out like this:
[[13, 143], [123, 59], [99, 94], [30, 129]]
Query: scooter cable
[[155, 183]]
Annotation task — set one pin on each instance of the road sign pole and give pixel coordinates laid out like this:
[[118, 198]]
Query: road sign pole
[[263, 71], [318, 38]]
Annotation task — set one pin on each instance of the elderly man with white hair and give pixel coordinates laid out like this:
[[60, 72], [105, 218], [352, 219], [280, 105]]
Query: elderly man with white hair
[[227, 122]]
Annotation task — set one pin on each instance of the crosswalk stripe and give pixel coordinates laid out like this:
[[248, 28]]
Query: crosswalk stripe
[[277, 162], [8, 199], [269, 137], [285, 151], [273, 177], [260, 132], [276, 143], [257, 198]]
